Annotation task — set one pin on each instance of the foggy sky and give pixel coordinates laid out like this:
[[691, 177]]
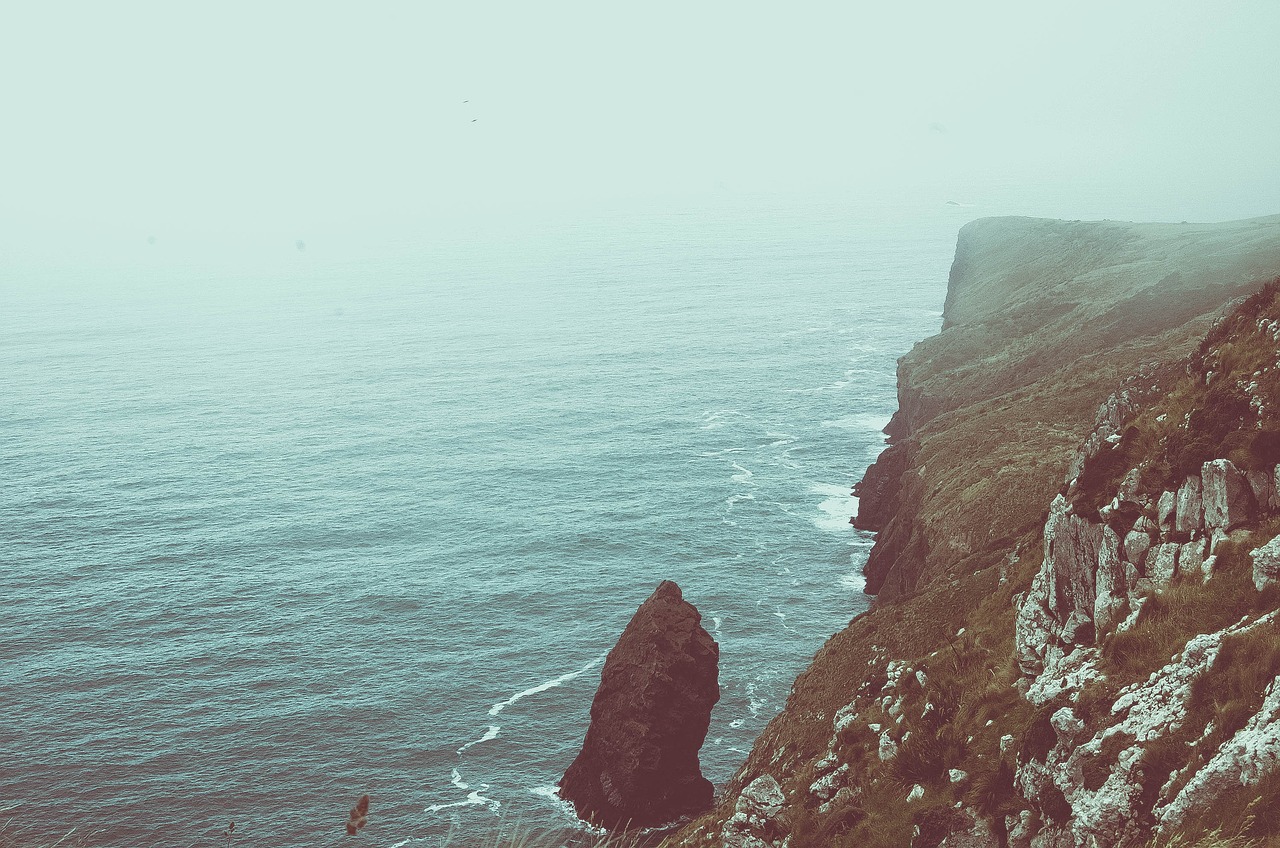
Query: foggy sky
[[290, 117]]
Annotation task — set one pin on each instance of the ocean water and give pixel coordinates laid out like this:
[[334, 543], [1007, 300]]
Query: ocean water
[[278, 535]]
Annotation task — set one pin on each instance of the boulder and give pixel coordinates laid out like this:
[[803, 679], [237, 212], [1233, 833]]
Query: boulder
[[1266, 564], [1191, 557], [1228, 499], [1072, 546], [1136, 545], [1163, 564], [753, 823], [1165, 509], [1263, 486], [1111, 603], [639, 763], [1188, 510]]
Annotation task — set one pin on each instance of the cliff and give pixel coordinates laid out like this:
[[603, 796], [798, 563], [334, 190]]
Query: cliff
[[1042, 319], [1047, 635]]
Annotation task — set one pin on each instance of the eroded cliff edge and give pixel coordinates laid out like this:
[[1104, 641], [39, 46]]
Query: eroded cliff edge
[[915, 725], [1042, 320]]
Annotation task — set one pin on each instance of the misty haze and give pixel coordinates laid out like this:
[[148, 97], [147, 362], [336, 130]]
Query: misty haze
[[366, 370]]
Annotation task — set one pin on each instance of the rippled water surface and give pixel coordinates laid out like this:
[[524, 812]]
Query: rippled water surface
[[279, 536]]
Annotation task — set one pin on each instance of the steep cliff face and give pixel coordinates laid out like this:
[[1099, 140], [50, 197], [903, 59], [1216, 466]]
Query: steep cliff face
[[1149, 639], [1042, 319], [1075, 515]]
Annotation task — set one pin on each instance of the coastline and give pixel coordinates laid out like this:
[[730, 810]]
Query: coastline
[[1043, 320]]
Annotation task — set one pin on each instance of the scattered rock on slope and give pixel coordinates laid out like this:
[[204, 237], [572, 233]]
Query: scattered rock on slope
[[639, 764]]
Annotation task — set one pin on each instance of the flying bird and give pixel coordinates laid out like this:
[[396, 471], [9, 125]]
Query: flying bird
[[359, 816]]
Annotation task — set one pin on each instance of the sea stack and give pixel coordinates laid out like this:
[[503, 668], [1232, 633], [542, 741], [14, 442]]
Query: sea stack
[[639, 764]]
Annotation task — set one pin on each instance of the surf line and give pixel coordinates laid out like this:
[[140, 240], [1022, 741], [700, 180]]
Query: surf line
[[542, 687], [491, 733], [476, 797]]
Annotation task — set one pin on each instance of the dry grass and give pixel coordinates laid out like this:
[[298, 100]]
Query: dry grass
[[521, 836], [14, 834], [1187, 608]]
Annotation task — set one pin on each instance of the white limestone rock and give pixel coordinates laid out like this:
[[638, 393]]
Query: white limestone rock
[[1035, 627], [1166, 507], [1263, 486], [1110, 814], [1165, 564], [1228, 500], [1191, 557], [1065, 725], [1266, 564], [827, 763], [978, 834], [1249, 756], [1188, 512], [1136, 545], [888, 748], [844, 718], [843, 797], [751, 825], [826, 787], [1071, 554], [1064, 673], [1111, 585]]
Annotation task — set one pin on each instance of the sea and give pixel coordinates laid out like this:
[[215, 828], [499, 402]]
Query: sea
[[280, 532]]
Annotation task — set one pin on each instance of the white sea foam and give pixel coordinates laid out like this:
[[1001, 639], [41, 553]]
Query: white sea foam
[[564, 808], [736, 723], [491, 733], [456, 780], [836, 507], [473, 799], [782, 619], [716, 420], [710, 454], [854, 581], [542, 687], [743, 476], [716, 621], [754, 704], [869, 422]]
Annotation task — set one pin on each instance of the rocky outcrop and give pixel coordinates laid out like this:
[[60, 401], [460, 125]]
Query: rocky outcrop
[[1089, 583], [1266, 563], [1252, 754], [1228, 498], [1113, 808], [639, 763], [754, 821]]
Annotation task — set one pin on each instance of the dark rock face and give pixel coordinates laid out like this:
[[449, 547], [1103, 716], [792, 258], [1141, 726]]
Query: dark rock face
[[639, 764]]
